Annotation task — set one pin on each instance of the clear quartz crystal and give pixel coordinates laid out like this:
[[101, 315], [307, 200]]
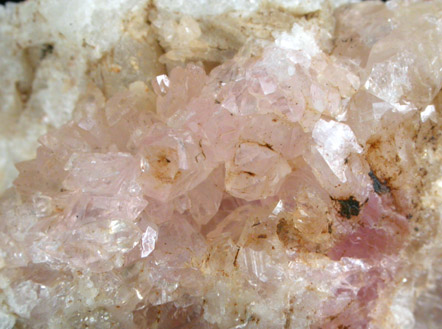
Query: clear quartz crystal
[[290, 182]]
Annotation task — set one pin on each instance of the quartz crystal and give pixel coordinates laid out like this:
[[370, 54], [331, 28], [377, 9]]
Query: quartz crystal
[[221, 170]]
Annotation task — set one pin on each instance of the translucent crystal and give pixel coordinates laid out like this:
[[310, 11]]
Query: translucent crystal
[[290, 182]]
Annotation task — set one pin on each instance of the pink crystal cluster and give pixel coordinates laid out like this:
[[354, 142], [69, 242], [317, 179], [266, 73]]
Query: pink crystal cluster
[[246, 197]]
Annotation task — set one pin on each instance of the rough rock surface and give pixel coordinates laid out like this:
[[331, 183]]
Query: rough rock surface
[[222, 169]]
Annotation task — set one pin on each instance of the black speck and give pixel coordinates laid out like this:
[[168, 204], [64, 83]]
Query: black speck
[[378, 186], [47, 49], [4, 2], [349, 207]]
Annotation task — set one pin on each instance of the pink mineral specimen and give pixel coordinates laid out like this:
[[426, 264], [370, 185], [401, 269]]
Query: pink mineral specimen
[[281, 189]]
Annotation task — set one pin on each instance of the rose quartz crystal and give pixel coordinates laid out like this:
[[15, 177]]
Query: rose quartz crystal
[[280, 189]]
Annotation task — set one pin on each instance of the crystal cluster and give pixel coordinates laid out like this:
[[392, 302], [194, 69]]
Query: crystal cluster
[[282, 188]]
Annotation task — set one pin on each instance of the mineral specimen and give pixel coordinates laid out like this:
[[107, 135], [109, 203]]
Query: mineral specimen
[[292, 183]]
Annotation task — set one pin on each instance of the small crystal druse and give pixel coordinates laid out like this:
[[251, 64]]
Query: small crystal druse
[[292, 184]]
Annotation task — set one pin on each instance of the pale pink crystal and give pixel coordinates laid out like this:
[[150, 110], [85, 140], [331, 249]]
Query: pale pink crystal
[[255, 196]]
